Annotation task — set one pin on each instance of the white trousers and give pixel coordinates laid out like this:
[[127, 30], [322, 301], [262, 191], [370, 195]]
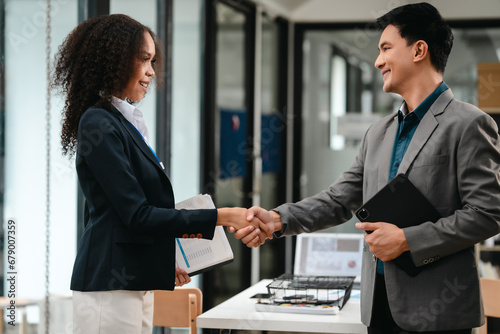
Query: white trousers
[[110, 312]]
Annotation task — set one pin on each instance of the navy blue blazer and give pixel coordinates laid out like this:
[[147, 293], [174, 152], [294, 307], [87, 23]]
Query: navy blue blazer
[[130, 220]]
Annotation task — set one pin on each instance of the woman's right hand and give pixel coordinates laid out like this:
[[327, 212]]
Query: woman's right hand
[[237, 219], [255, 238]]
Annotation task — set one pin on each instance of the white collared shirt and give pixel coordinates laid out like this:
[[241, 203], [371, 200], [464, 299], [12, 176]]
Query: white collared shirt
[[136, 118], [133, 115]]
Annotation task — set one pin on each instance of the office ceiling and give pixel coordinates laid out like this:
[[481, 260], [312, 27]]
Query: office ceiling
[[368, 10], [471, 45]]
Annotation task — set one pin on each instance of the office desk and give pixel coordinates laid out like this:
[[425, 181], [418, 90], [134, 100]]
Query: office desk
[[239, 312]]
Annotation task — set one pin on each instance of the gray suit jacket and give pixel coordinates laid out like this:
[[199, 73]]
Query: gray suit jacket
[[454, 160]]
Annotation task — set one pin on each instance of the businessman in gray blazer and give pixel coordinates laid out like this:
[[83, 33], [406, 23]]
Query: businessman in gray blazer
[[450, 151]]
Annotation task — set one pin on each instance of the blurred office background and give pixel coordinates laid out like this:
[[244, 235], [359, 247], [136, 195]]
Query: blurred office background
[[263, 102]]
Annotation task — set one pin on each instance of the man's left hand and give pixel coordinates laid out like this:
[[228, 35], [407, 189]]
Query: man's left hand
[[387, 241]]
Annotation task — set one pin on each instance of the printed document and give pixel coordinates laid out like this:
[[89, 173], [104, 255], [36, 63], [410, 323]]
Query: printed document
[[198, 255]]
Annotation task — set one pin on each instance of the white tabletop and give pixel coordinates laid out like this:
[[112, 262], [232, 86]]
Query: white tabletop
[[239, 312]]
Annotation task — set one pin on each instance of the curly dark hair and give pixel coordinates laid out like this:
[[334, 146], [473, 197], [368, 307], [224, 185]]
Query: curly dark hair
[[95, 61]]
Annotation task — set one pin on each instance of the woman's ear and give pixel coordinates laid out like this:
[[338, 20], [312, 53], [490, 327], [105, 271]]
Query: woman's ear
[[420, 49]]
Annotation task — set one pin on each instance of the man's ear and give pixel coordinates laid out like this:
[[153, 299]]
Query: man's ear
[[420, 51]]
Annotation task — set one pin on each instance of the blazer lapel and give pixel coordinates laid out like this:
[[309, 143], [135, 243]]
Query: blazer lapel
[[424, 130], [421, 136], [139, 141], [386, 151]]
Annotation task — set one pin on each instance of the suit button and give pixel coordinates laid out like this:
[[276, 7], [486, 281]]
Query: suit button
[[185, 235], [199, 235], [426, 261], [431, 260], [374, 258], [192, 236]]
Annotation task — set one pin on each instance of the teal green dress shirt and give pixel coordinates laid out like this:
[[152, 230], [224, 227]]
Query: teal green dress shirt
[[407, 125]]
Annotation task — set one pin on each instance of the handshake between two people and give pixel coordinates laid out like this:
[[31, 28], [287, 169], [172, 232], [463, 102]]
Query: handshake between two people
[[252, 226]]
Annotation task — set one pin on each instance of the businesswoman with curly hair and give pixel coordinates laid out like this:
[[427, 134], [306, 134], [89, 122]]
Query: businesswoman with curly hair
[[127, 248]]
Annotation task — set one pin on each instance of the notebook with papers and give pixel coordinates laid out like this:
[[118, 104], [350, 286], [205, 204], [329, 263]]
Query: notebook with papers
[[199, 255]]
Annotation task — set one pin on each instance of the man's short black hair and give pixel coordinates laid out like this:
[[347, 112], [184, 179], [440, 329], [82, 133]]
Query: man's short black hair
[[422, 21]]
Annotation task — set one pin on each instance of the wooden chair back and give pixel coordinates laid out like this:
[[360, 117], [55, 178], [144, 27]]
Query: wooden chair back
[[177, 308]]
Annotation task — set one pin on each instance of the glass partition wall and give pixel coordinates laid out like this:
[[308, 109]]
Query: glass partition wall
[[231, 97], [273, 133], [233, 120]]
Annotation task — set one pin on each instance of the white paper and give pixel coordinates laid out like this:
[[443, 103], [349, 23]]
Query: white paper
[[194, 255]]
